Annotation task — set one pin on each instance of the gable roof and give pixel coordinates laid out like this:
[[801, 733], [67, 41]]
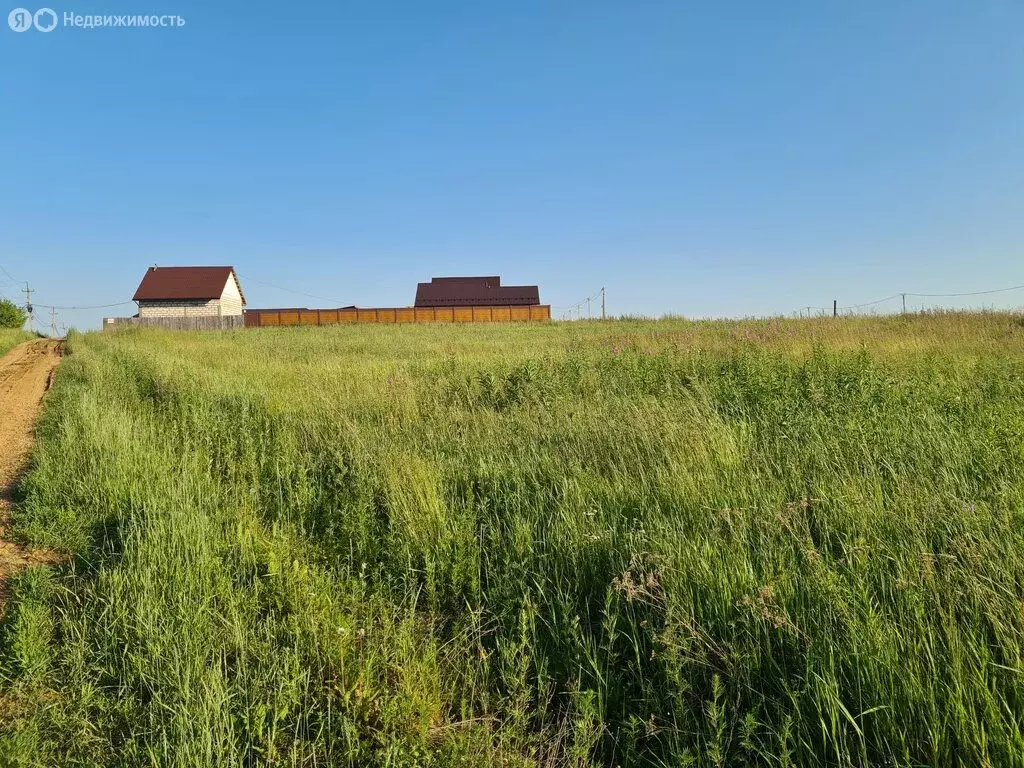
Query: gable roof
[[172, 283], [475, 291]]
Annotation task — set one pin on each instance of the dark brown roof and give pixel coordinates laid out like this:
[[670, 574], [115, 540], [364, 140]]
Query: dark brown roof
[[173, 283], [474, 291]]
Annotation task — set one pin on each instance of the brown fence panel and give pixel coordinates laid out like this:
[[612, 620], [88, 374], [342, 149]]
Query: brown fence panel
[[261, 318]]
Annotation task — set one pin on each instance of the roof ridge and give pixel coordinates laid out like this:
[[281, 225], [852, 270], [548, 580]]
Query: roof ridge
[[186, 283]]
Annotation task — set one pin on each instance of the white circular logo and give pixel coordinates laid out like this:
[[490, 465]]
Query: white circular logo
[[45, 19], [20, 19]]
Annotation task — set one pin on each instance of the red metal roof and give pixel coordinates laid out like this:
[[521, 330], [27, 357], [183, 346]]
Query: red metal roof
[[174, 283], [474, 291]]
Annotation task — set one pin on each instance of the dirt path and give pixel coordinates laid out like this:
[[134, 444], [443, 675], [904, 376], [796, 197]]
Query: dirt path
[[26, 373]]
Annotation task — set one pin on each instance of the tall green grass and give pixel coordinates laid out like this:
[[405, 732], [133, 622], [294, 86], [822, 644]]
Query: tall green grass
[[778, 543], [10, 338]]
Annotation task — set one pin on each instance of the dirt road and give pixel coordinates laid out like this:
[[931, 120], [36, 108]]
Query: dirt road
[[26, 373]]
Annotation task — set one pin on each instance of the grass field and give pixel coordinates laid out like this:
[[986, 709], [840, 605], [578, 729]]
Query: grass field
[[11, 338], [780, 543]]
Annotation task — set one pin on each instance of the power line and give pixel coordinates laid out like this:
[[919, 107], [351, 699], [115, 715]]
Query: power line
[[9, 276], [595, 295], [287, 290], [972, 293], [904, 295], [578, 306], [98, 306], [872, 303]]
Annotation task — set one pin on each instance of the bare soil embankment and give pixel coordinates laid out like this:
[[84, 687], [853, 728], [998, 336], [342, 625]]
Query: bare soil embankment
[[26, 373]]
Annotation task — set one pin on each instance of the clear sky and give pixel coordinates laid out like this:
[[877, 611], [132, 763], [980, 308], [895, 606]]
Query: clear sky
[[703, 158]]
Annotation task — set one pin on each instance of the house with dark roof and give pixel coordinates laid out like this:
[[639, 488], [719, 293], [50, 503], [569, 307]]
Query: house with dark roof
[[474, 292], [189, 292]]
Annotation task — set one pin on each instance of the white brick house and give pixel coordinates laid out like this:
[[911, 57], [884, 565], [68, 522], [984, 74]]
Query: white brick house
[[189, 292]]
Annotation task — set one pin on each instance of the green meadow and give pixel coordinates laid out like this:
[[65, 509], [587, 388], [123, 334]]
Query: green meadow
[[624, 543], [10, 338]]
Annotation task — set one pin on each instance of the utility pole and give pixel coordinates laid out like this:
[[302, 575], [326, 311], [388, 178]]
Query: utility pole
[[603, 315], [53, 321], [904, 296], [835, 309], [588, 308], [28, 306]]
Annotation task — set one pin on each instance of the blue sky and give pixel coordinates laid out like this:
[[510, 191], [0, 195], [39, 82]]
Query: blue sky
[[701, 158]]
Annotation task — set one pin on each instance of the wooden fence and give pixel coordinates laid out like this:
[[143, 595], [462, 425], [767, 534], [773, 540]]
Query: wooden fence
[[273, 318], [270, 318], [197, 323]]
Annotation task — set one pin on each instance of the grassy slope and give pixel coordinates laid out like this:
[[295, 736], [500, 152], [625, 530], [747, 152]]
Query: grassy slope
[[779, 543], [11, 338]]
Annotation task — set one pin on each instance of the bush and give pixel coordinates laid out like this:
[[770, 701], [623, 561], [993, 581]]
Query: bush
[[11, 315]]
